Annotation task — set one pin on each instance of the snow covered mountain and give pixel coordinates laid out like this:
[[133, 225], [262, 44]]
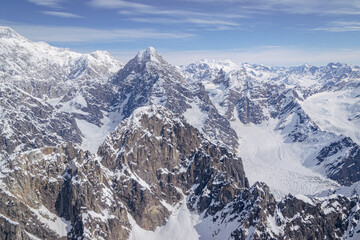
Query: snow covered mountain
[[272, 111], [148, 79], [48, 93], [24, 60], [212, 150]]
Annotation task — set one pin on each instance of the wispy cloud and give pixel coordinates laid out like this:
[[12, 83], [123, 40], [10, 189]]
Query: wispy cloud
[[81, 34], [340, 26], [116, 4], [183, 13], [212, 22], [61, 14], [47, 3], [203, 22], [147, 13], [319, 7]]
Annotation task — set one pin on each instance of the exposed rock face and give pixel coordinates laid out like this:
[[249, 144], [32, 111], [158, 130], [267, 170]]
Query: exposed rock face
[[328, 223], [27, 123], [59, 193], [161, 158], [256, 215], [152, 161], [341, 161]]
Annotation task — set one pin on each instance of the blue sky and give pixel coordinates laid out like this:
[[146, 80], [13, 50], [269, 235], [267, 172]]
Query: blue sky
[[272, 32]]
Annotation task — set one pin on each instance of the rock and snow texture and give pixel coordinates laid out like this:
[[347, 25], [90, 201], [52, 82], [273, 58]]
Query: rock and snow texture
[[60, 94], [296, 129], [288, 120], [148, 79], [25, 60], [156, 177]]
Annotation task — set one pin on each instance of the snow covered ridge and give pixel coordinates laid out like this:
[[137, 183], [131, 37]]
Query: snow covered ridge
[[166, 144], [40, 61], [304, 76]]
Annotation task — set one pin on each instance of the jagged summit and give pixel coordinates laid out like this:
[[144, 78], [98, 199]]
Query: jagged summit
[[147, 53], [149, 63], [149, 56], [146, 60]]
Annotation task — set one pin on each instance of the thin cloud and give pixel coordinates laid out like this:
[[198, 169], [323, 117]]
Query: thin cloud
[[318, 7], [145, 13], [203, 22], [80, 34], [340, 26], [116, 4], [182, 13], [61, 14], [46, 3], [212, 22]]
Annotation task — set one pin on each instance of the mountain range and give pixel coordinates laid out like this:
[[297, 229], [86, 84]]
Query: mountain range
[[92, 148]]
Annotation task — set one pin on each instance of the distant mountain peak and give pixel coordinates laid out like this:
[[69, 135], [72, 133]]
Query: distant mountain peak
[[7, 32], [148, 55], [335, 65]]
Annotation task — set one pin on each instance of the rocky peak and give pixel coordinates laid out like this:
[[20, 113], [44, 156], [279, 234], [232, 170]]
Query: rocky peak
[[149, 54], [148, 79], [143, 83], [147, 62], [162, 157]]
